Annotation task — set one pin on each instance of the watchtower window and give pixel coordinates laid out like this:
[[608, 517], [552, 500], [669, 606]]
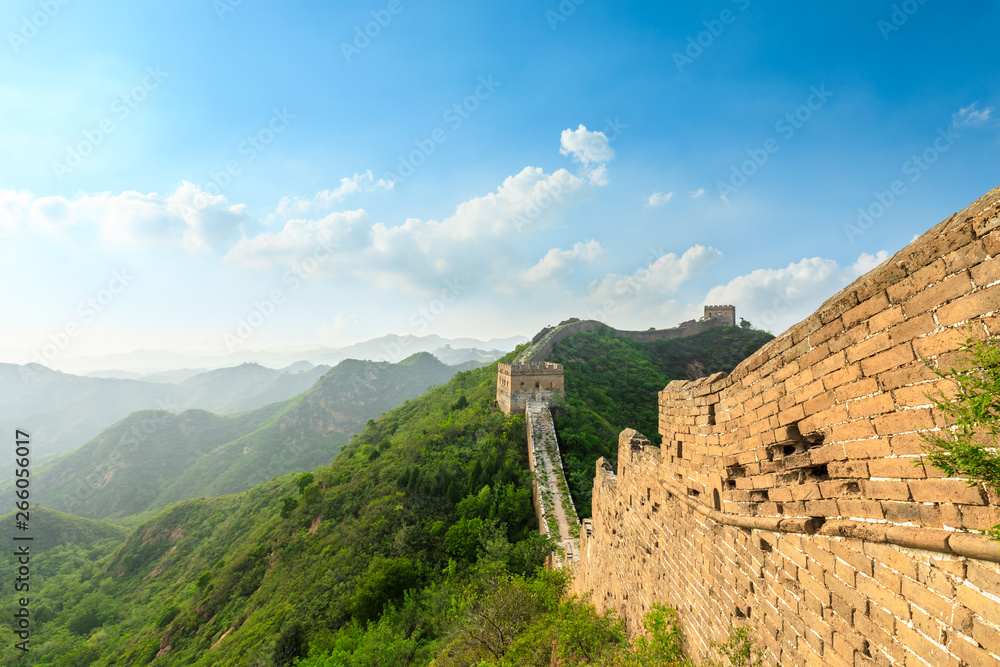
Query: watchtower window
[[716, 500], [537, 385], [522, 385]]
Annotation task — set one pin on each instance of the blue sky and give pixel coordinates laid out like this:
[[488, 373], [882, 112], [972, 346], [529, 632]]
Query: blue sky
[[207, 175]]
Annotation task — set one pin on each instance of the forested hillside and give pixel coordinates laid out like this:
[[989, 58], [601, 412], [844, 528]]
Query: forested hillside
[[153, 458]]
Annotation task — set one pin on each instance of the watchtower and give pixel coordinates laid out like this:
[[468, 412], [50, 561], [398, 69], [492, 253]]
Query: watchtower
[[516, 383], [724, 313]]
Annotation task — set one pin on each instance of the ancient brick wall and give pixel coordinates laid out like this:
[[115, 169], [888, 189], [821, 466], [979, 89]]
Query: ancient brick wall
[[791, 495]]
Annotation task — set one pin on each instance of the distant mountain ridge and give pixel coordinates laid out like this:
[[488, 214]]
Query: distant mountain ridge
[[390, 348], [153, 458]]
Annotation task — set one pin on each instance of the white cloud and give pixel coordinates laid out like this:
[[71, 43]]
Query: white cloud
[[558, 262], [188, 218], [659, 199], [695, 194], [970, 115], [645, 291], [776, 299], [363, 182], [341, 323], [591, 149], [14, 205], [479, 239]]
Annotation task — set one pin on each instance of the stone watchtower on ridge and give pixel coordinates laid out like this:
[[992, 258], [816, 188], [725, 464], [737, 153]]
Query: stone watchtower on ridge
[[518, 382], [722, 313]]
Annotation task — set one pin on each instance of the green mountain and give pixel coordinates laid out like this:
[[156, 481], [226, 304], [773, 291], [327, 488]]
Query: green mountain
[[612, 384], [400, 518], [50, 529], [62, 411], [418, 543], [153, 458]]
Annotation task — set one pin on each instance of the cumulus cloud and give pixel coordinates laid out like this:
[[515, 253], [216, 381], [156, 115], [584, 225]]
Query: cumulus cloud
[[659, 199], [646, 290], [363, 182], [14, 205], [558, 262], [188, 218], [695, 194], [778, 298], [970, 115], [591, 149], [480, 238]]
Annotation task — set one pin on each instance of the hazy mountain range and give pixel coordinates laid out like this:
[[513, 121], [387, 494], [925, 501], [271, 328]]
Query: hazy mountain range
[[154, 457], [141, 364]]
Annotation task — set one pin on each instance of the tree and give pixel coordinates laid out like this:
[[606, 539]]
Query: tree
[[967, 447]]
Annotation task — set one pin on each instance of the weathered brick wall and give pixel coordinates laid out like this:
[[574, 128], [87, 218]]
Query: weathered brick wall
[[791, 494]]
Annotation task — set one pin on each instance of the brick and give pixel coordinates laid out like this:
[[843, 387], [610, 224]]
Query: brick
[[871, 406], [897, 468], [912, 328], [868, 449], [860, 429], [848, 469], [886, 490], [842, 376], [907, 444], [860, 509], [947, 491], [887, 318], [974, 305], [904, 421], [948, 340], [965, 257], [868, 347], [866, 309], [984, 577], [986, 273], [928, 275], [904, 376], [917, 395], [970, 653], [947, 290], [897, 356], [857, 389]]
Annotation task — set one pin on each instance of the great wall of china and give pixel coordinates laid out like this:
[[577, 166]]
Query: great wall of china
[[791, 495]]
